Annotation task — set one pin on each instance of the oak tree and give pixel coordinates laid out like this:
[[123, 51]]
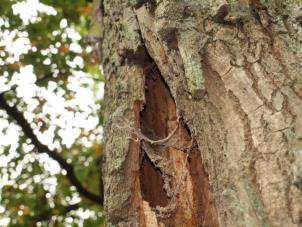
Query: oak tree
[[203, 112]]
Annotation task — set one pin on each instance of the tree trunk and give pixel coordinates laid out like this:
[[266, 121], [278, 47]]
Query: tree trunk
[[203, 113]]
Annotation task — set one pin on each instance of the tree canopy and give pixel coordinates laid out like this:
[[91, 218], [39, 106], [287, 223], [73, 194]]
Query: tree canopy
[[51, 89]]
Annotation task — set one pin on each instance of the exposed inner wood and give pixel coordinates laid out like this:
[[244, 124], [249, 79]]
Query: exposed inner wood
[[189, 191], [204, 207], [152, 184], [154, 124]]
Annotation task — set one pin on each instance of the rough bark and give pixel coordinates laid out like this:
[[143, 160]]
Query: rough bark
[[221, 81]]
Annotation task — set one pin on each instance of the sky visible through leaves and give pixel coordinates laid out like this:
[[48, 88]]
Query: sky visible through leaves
[[50, 70]]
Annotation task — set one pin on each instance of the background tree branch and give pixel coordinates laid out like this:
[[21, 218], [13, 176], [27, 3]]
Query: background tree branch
[[48, 215], [14, 113]]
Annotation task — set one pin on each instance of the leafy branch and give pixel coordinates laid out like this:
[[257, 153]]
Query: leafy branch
[[14, 113]]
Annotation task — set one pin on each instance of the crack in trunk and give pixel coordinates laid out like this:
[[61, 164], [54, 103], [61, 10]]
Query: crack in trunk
[[179, 192]]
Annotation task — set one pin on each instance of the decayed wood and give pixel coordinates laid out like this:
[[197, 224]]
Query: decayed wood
[[235, 81]]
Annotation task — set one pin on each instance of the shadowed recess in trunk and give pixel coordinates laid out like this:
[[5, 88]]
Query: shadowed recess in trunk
[[189, 184]]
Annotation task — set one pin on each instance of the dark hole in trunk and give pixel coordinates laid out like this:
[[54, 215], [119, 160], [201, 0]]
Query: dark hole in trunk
[[153, 121], [157, 120], [152, 184]]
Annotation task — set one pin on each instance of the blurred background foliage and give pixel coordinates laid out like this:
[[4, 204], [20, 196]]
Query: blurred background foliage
[[50, 71]]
